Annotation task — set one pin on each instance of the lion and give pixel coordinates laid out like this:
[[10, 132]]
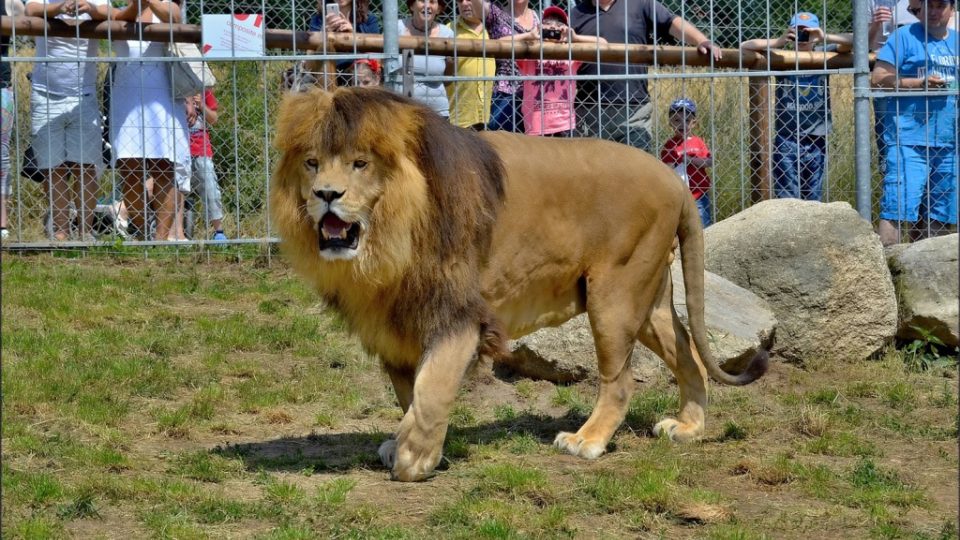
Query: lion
[[437, 244]]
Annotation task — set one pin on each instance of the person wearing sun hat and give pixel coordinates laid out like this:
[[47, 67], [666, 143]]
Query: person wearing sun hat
[[802, 111]]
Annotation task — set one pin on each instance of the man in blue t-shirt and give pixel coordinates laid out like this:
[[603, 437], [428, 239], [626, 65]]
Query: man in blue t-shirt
[[920, 184], [802, 111]]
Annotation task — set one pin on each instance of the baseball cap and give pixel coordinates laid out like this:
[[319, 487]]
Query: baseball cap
[[804, 19], [556, 12], [683, 104]]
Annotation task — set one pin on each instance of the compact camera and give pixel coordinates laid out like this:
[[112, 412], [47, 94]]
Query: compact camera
[[551, 33], [803, 36]]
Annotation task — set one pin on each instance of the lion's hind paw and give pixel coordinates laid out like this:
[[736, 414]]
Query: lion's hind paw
[[388, 453], [578, 446]]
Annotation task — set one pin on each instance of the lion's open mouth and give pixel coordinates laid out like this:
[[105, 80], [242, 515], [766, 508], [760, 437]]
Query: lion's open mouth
[[336, 233]]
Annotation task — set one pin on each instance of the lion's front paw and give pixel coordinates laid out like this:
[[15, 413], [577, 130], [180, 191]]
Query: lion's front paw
[[388, 453], [414, 462], [677, 431], [578, 446]]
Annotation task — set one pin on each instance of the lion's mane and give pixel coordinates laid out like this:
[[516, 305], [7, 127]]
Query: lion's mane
[[429, 233]]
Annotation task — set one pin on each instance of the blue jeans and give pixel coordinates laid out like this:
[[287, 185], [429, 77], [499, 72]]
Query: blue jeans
[[704, 209], [505, 113], [798, 167]]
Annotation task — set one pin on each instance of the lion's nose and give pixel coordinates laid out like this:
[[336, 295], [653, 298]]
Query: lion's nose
[[328, 195]]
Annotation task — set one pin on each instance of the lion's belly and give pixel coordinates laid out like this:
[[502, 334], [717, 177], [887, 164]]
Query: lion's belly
[[526, 315]]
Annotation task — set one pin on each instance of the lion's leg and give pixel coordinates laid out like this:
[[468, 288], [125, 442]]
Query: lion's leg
[[665, 335], [417, 449], [402, 380], [615, 318]]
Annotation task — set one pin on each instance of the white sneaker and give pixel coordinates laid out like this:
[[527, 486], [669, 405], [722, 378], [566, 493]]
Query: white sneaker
[[4, 234]]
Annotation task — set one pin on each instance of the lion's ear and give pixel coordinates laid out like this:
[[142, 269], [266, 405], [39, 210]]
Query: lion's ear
[[299, 116]]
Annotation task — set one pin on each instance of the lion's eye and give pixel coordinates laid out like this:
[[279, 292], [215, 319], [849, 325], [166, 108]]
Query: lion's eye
[[312, 164], [360, 164]]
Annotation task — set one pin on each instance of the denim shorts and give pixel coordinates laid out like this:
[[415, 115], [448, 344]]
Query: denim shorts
[[920, 181]]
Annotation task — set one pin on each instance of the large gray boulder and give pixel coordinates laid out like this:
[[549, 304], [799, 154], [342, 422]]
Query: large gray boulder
[[925, 275], [739, 324], [819, 266]]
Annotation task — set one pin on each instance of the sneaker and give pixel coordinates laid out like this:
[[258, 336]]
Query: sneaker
[[219, 237], [4, 233]]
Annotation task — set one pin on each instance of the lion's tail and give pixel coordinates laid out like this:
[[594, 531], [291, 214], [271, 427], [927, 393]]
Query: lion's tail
[[690, 232]]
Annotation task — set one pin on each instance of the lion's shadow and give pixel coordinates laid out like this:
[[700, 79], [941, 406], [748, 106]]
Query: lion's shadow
[[342, 452]]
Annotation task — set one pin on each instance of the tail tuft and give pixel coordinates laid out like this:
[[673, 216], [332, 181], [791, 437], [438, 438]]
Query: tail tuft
[[493, 339]]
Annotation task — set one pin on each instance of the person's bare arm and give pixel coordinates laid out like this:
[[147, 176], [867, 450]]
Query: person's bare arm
[[843, 41], [884, 75], [701, 162], [210, 115], [45, 9], [764, 44], [164, 11], [689, 34]]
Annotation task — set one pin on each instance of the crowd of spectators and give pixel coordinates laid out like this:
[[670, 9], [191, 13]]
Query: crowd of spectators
[[161, 147]]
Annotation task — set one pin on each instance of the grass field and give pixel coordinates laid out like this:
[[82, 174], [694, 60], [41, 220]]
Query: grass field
[[204, 399]]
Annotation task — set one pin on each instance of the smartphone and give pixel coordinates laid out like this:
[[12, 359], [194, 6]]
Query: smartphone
[[333, 9]]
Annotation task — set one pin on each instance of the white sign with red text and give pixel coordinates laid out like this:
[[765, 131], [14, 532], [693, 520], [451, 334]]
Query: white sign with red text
[[229, 36]]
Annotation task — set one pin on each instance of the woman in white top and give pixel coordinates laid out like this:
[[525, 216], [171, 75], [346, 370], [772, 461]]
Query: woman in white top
[[148, 127], [423, 22]]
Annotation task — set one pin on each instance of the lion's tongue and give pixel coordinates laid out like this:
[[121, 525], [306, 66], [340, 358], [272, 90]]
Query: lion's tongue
[[333, 226]]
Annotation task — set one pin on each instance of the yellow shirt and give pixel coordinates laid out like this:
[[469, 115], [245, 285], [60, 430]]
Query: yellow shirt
[[470, 100]]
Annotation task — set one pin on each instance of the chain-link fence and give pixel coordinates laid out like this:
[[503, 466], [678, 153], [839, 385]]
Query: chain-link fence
[[783, 123]]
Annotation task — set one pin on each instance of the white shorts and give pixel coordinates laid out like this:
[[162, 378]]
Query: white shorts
[[65, 128]]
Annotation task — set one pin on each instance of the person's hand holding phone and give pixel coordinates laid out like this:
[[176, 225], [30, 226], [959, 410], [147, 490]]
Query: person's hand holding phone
[[334, 20]]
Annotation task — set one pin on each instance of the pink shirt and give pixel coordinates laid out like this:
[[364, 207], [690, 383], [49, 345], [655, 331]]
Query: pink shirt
[[548, 105]]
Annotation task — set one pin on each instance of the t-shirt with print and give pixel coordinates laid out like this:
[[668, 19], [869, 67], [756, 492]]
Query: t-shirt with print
[[548, 105], [802, 106], [66, 78], [922, 121], [199, 136], [500, 23], [673, 153], [639, 22]]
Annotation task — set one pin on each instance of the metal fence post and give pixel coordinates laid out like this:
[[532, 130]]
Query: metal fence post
[[861, 107], [391, 45]]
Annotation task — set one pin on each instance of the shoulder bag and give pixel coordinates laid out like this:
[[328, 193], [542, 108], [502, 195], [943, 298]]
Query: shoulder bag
[[188, 77]]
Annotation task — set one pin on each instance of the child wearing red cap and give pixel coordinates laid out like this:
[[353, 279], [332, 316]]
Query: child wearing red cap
[[547, 105]]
